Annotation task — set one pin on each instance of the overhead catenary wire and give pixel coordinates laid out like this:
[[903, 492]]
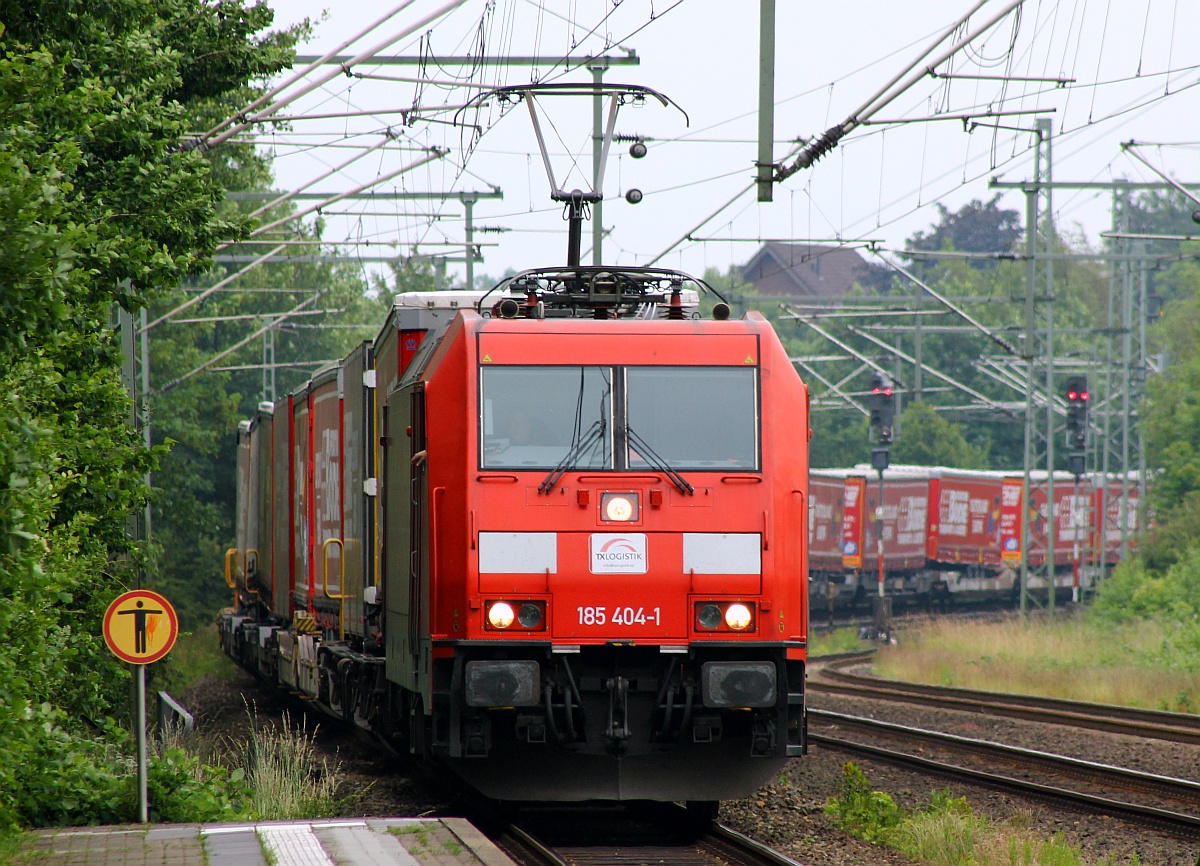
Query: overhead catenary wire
[[244, 121], [288, 82], [829, 139], [752, 185], [1032, 58], [242, 316], [908, 359], [229, 279], [1130, 147], [946, 302], [181, 379], [436, 153], [287, 196]]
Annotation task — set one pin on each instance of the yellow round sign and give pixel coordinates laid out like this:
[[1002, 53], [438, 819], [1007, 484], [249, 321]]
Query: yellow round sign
[[140, 627]]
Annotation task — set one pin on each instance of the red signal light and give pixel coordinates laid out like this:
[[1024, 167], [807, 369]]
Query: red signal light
[[1072, 396], [1083, 395]]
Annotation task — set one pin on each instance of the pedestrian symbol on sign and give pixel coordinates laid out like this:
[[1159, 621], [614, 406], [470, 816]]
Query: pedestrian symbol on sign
[[140, 627]]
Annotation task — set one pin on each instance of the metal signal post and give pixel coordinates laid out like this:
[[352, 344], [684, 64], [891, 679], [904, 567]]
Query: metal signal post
[[881, 403], [1077, 395]]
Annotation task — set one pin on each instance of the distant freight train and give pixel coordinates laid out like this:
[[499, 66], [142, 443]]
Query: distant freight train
[[551, 538], [954, 534]]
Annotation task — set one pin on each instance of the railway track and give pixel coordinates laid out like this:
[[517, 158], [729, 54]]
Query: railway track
[[1078, 784], [1024, 763], [833, 678], [659, 835]]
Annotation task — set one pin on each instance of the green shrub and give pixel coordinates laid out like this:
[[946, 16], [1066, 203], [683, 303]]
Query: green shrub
[[50, 776], [861, 812], [183, 790], [840, 641]]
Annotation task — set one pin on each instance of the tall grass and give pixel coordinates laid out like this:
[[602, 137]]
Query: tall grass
[[1133, 665], [276, 770], [287, 778]]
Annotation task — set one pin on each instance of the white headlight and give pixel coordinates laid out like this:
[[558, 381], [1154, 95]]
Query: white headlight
[[737, 616], [500, 615], [618, 509]]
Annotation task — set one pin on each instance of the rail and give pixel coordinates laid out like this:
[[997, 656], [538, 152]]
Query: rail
[[1132, 721], [1182, 790], [1176, 823], [661, 834]]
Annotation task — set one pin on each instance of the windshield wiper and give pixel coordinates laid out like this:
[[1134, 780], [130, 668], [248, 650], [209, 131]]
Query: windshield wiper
[[590, 438], [656, 461]]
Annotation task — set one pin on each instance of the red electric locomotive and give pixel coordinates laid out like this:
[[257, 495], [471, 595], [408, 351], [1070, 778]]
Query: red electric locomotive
[[554, 541]]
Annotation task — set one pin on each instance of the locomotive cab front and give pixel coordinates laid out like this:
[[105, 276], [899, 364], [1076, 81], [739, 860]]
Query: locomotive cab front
[[610, 588]]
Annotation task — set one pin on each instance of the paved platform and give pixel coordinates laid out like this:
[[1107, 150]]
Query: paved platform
[[333, 842]]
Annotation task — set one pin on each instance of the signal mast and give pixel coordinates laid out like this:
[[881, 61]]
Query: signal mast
[[1077, 395], [881, 402]]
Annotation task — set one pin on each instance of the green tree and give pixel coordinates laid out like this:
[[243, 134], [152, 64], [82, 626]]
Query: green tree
[[99, 206], [927, 439], [839, 439], [976, 227], [1171, 426]]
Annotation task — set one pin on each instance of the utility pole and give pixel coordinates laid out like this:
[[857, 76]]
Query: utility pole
[[766, 99], [597, 155], [598, 66], [268, 373], [469, 238], [1030, 353], [881, 403], [1121, 367], [1045, 131]]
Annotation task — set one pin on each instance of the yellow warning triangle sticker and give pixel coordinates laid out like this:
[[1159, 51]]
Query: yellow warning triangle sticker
[[749, 360], [487, 359]]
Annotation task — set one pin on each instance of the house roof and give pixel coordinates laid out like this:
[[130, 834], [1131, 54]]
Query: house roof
[[810, 270]]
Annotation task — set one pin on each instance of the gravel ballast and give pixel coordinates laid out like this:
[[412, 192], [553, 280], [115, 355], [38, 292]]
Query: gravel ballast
[[789, 813]]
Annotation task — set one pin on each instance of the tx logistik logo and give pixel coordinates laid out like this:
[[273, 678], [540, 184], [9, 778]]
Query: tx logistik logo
[[618, 554]]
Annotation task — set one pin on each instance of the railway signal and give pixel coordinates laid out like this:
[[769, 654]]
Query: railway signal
[[882, 404], [1077, 421]]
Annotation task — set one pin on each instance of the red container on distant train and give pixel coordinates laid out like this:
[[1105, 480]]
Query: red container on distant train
[[826, 504], [952, 533]]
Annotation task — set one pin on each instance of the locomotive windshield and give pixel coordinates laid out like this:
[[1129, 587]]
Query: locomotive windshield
[[533, 416], [693, 417], [690, 418]]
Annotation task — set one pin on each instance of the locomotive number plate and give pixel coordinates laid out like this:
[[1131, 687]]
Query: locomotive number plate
[[619, 615]]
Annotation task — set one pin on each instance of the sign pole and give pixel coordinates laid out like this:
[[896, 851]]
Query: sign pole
[[140, 627], [139, 676]]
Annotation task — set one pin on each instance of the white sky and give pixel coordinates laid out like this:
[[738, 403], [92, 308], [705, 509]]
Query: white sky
[[703, 54]]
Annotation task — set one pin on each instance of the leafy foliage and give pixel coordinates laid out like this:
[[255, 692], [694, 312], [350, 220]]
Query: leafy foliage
[[860, 811], [929, 439], [99, 207], [976, 227], [1163, 579]]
